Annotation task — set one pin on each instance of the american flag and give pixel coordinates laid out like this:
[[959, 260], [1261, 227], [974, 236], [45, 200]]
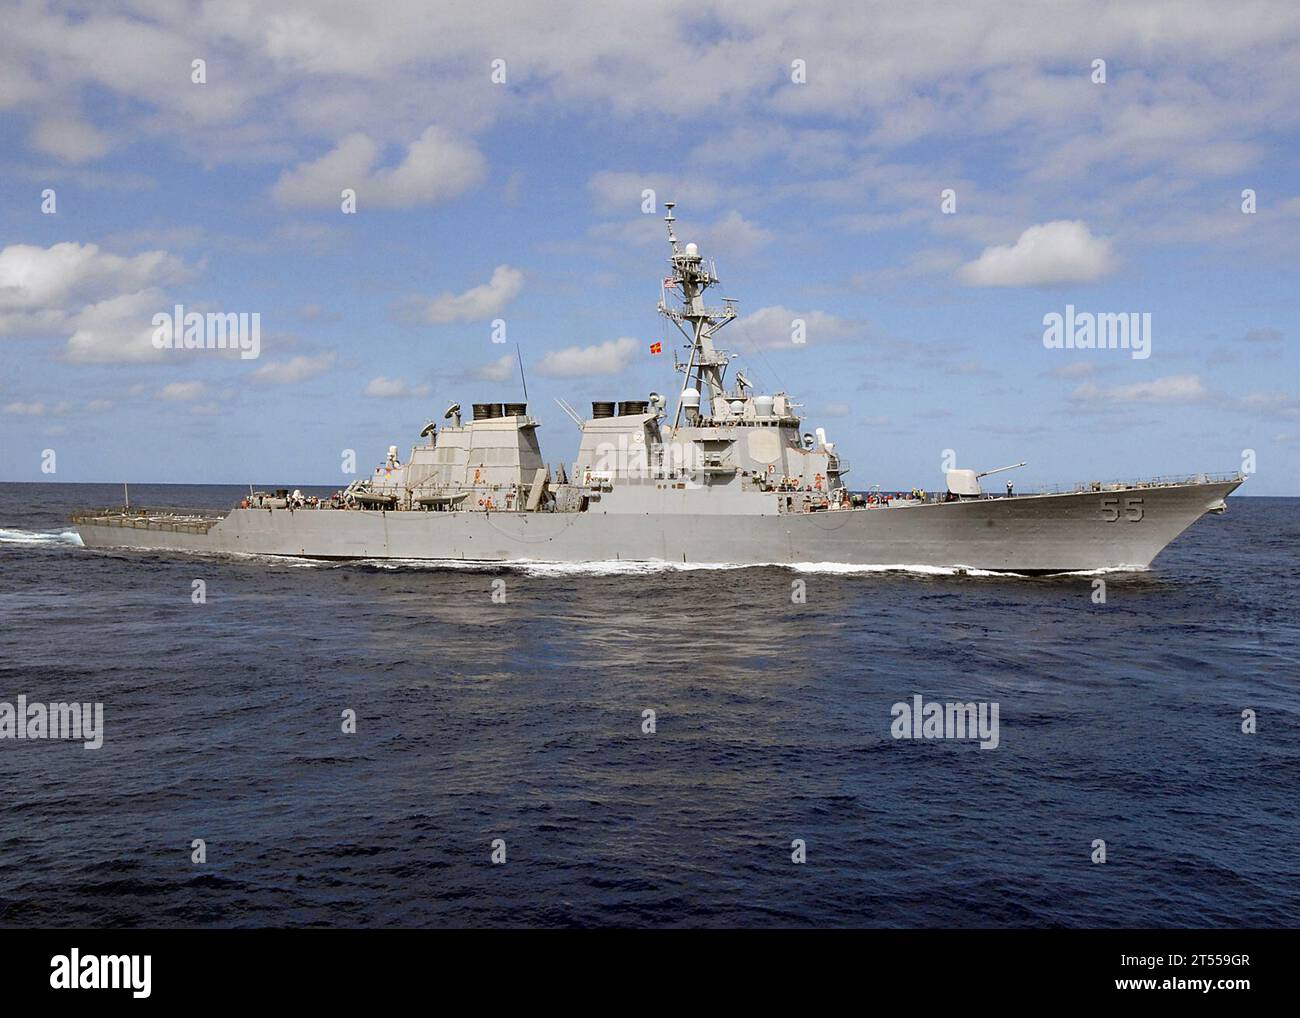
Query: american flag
[[670, 283]]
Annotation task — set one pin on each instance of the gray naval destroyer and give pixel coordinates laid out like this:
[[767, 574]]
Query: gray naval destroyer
[[731, 477]]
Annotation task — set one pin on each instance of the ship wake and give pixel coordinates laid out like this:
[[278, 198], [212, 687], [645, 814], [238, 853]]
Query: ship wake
[[607, 567], [47, 537], [624, 567]]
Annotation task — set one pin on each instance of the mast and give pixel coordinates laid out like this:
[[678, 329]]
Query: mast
[[691, 276]]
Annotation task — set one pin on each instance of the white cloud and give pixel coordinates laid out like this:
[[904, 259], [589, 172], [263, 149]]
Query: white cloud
[[498, 371], [609, 358], [966, 369], [35, 278], [394, 388], [1188, 83], [733, 234], [105, 301], [1075, 369], [643, 232], [1170, 389], [774, 328], [478, 303], [437, 166], [117, 330], [294, 370], [1062, 251], [620, 192], [25, 409], [1270, 404], [182, 392], [69, 140], [319, 183]]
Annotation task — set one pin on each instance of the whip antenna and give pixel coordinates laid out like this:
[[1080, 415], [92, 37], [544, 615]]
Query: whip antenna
[[523, 381]]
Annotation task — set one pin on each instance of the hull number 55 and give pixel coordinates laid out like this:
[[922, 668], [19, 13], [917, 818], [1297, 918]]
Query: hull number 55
[[1112, 511]]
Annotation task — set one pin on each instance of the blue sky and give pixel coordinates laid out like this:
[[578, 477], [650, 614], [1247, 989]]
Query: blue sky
[[521, 201]]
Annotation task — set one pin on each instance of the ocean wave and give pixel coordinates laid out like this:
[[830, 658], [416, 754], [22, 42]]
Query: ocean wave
[[14, 536]]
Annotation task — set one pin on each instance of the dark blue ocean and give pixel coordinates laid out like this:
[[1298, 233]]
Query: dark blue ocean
[[522, 722]]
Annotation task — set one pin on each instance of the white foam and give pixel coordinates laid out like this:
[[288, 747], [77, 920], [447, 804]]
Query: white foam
[[606, 567], [957, 570], [901, 567], [625, 567], [533, 567], [1106, 571], [288, 561], [620, 567], [69, 537]]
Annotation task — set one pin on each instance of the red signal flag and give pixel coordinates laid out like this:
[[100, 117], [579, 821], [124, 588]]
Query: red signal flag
[[656, 348]]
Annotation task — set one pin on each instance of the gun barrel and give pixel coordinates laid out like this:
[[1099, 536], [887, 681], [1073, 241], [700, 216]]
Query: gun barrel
[[999, 470]]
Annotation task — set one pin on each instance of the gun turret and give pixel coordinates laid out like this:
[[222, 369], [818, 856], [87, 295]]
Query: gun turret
[[966, 483]]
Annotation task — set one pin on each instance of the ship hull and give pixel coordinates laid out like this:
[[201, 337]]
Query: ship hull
[[1024, 534]]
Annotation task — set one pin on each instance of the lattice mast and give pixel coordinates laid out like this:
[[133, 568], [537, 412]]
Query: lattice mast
[[690, 277]]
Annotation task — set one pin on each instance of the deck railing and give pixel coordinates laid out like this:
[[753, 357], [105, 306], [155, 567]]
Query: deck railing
[[149, 511], [1160, 481]]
